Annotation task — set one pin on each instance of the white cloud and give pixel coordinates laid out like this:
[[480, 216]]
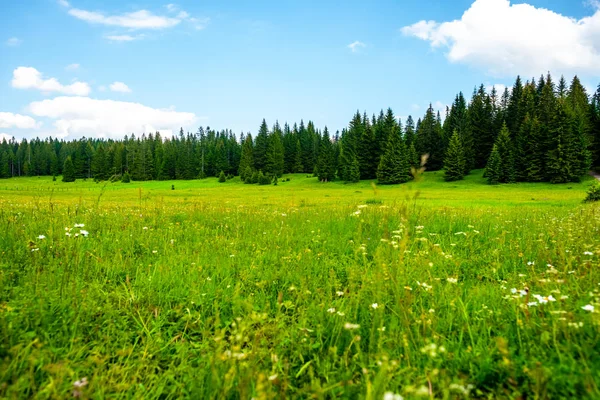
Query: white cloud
[[10, 120], [123, 38], [31, 78], [64, 3], [172, 7], [515, 39], [83, 116], [119, 87], [5, 136], [13, 42], [72, 67], [356, 46], [142, 19]]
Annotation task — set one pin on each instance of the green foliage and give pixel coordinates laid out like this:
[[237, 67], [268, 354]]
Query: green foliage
[[493, 171], [326, 164], [126, 178], [253, 178], [593, 193], [68, 170], [454, 163], [263, 179], [394, 166], [275, 153], [501, 169], [222, 177]]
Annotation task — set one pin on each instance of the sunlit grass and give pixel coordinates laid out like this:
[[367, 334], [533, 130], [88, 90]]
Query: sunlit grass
[[299, 290]]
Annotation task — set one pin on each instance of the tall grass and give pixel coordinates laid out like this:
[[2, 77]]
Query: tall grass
[[309, 290]]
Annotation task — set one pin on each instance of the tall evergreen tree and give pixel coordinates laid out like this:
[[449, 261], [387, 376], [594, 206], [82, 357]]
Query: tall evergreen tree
[[326, 165], [429, 140], [275, 153], [261, 147], [504, 169], [394, 166], [68, 171], [247, 159], [454, 163]]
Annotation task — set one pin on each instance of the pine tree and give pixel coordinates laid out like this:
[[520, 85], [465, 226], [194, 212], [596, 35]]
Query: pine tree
[[454, 163], [367, 152], [326, 165], [429, 140], [248, 175], [298, 167], [504, 169], [247, 159], [275, 155], [99, 164], [492, 171], [394, 166], [353, 170], [126, 178], [261, 147], [222, 177], [68, 170]]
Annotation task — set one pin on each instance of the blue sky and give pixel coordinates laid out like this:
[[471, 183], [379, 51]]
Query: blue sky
[[107, 68]]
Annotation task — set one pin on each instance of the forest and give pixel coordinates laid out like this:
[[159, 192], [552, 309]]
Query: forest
[[536, 131]]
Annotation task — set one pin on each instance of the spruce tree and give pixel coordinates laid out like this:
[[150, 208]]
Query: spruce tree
[[353, 170], [394, 166], [68, 170], [493, 169], [429, 140], [247, 159], [261, 147], [126, 178], [222, 177], [454, 163], [504, 169], [275, 156], [298, 167], [326, 164], [367, 152]]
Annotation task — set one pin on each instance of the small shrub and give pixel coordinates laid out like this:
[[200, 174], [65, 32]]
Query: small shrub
[[253, 178], [593, 193], [222, 177], [126, 178], [263, 179]]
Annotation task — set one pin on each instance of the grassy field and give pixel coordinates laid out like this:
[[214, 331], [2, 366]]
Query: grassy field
[[301, 290]]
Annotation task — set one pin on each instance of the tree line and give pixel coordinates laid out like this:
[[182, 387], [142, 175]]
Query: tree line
[[536, 131]]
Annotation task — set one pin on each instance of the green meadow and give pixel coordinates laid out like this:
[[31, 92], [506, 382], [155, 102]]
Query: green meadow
[[200, 289]]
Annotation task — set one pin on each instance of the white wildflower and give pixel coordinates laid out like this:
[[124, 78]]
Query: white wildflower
[[41, 237], [452, 280], [331, 310], [350, 326], [375, 306], [588, 253], [79, 225], [588, 307], [392, 396], [84, 233]]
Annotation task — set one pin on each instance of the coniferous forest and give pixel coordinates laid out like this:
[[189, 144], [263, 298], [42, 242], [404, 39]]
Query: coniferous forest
[[538, 131]]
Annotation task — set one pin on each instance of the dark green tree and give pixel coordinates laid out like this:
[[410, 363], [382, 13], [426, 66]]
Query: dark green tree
[[454, 163], [68, 170], [394, 166]]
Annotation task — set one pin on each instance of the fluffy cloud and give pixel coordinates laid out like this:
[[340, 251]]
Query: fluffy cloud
[[119, 87], [10, 120], [31, 78], [13, 42], [514, 39], [83, 116], [356, 46], [64, 3], [72, 67], [5, 136], [135, 20]]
